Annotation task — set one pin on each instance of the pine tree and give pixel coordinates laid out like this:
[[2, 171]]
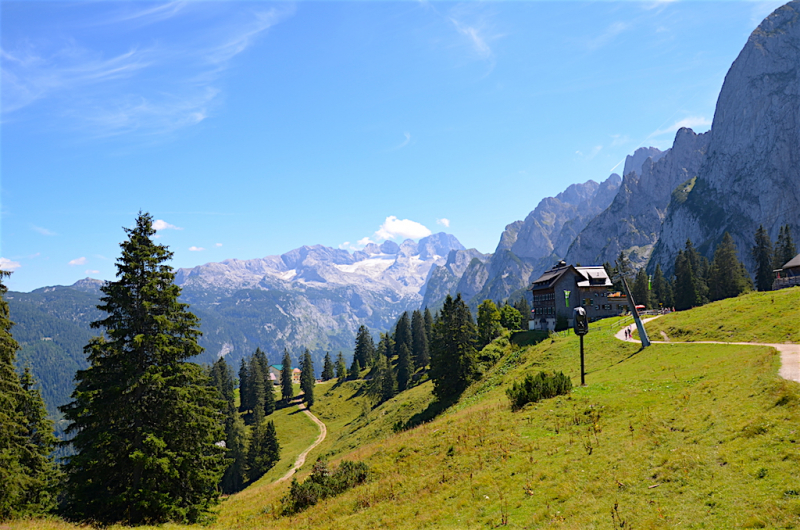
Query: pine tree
[[245, 394], [701, 268], [222, 379], [307, 379], [428, 318], [728, 276], [488, 323], [258, 387], [762, 256], [355, 370], [13, 476], [287, 391], [402, 333], [235, 475], [365, 347], [419, 340], [453, 356], [43, 474], [405, 367], [785, 248], [341, 368], [383, 385], [524, 309], [640, 288], [685, 283], [145, 421], [264, 451], [327, 368], [662, 290]]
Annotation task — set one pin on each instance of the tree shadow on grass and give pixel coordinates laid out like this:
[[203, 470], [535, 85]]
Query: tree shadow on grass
[[433, 409]]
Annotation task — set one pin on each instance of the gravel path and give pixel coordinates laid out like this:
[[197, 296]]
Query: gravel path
[[323, 431], [790, 353]]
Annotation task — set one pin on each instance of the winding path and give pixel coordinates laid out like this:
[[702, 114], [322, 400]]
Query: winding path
[[301, 459], [790, 353]]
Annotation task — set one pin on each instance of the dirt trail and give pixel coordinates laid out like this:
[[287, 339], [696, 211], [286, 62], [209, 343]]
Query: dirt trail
[[790, 353], [323, 431]]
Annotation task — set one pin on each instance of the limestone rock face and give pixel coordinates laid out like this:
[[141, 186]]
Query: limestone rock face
[[634, 162], [751, 173], [632, 223]]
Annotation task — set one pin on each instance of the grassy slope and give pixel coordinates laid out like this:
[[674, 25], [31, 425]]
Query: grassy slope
[[756, 317], [694, 436]]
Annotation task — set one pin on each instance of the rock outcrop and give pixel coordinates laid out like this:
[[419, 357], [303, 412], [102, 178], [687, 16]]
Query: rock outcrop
[[751, 172], [633, 221]]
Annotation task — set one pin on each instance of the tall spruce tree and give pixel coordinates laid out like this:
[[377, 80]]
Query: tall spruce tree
[[365, 347], [40, 493], [428, 318], [341, 368], [27, 472], [685, 288], [641, 289], [524, 309], [728, 276], [785, 248], [235, 475], [264, 451], [662, 290], [488, 323], [419, 340], [354, 372], [405, 367], [307, 379], [328, 372], [287, 391], [453, 356], [145, 421], [258, 387], [762, 256], [245, 394], [402, 333]]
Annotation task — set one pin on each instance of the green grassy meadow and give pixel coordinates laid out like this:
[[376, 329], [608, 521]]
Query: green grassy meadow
[[672, 436]]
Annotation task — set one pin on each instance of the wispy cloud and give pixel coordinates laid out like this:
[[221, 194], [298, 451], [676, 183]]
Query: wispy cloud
[[444, 222], [78, 261], [43, 231], [218, 245], [196, 249], [475, 36], [167, 79], [403, 143], [91, 271], [8, 265], [692, 122], [608, 35]]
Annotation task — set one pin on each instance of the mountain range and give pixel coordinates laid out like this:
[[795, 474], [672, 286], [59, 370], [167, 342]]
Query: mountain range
[[740, 174]]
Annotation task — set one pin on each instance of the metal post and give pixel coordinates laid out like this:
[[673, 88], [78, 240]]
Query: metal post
[[583, 367], [632, 303]]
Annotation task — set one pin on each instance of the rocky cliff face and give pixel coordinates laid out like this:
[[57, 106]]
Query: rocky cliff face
[[526, 248], [633, 221], [751, 172]]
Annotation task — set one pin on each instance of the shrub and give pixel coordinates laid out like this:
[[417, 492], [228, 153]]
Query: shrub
[[324, 483], [537, 387]]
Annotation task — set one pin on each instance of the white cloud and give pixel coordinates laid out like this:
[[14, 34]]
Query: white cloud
[[364, 241], [218, 245], [405, 228], [160, 224], [196, 249], [443, 221], [78, 261], [404, 143], [8, 265], [476, 38], [91, 271], [692, 122], [358, 245], [43, 231]]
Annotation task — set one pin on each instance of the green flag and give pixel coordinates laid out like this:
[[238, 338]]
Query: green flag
[[566, 297]]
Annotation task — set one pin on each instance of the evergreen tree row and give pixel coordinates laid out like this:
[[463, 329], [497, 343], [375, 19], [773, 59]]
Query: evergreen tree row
[[28, 475], [256, 392]]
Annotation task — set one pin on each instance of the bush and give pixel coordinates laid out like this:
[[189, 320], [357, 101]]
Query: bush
[[538, 387], [324, 483]]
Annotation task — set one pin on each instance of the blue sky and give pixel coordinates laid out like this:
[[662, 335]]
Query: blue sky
[[251, 128]]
